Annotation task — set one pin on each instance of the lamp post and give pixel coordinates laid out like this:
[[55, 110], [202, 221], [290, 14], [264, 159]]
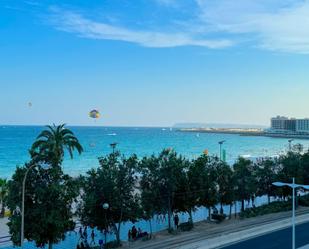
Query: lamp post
[[113, 145], [44, 166], [105, 207], [290, 144], [293, 186], [220, 146]]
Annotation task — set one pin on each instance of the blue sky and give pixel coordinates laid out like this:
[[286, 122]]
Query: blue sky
[[153, 62]]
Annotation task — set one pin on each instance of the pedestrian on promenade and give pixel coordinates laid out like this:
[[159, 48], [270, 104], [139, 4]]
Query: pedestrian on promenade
[[92, 242], [129, 235], [134, 233], [85, 233], [80, 233], [101, 243], [176, 221]]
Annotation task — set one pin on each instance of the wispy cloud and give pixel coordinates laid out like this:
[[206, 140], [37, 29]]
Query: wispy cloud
[[270, 24], [278, 25], [76, 23]]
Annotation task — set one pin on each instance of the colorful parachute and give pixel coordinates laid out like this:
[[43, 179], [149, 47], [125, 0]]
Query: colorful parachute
[[94, 114]]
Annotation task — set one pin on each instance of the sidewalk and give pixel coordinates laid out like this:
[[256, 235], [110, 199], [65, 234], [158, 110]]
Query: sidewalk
[[4, 232], [4, 229], [207, 235]]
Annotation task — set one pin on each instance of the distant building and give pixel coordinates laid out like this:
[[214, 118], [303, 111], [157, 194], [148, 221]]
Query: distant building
[[290, 124], [302, 125], [281, 124]]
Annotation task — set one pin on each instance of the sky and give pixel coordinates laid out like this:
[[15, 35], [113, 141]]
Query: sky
[[153, 62]]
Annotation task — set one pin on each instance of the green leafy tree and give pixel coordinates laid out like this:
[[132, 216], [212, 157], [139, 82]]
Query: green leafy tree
[[151, 200], [305, 167], [226, 186], [185, 199], [202, 173], [291, 167], [49, 193], [170, 166], [244, 180], [164, 179], [266, 173], [113, 183], [48, 200]]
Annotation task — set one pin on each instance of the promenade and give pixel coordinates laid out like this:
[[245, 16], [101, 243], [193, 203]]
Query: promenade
[[207, 235], [4, 232]]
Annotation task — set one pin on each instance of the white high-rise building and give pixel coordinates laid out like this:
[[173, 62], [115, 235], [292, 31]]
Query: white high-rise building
[[302, 125], [278, 123]]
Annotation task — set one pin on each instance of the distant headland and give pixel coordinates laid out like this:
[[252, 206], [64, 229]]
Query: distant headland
[[281, 127]]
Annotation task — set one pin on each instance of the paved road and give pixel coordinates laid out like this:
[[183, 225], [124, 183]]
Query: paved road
[[281, 239]]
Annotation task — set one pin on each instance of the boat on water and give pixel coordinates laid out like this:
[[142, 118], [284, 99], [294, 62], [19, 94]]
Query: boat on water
[[112, 134]]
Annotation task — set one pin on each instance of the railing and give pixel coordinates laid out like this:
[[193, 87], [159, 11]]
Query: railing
[[5, 239]]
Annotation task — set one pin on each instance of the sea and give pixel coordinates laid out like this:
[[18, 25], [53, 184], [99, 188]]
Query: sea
[[15, 142]]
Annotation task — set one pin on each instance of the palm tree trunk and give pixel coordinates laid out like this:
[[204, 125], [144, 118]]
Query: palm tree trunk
[[190, 215], [209, 213], [230, 215], [50, 245], [118, 234], [242, 205], [169, 214], [235, 209], [150, 226]]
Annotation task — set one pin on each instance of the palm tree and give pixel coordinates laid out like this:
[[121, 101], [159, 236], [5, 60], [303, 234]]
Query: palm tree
[[3, 194], [52, 143]]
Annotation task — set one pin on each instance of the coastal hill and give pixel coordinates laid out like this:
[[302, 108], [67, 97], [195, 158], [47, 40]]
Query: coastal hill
[[217, 125]]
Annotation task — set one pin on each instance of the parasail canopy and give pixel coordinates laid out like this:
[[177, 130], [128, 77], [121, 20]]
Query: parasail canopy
[[94, 114]]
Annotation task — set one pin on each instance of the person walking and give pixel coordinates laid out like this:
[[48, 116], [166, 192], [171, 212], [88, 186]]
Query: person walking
[[85, 235], [134, 233], [92, 242], [176, 221], [129, 235], [80, 233]]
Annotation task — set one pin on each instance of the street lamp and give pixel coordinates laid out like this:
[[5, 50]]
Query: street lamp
[[293, 186], [290, 144], [113, 145], [44, 166], [105, 207], [220, 145]]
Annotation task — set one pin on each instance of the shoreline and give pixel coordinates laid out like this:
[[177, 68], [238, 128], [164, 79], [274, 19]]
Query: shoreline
[[243, 132]]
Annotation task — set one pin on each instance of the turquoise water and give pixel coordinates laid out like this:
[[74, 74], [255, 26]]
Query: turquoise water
[[16, 140]]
